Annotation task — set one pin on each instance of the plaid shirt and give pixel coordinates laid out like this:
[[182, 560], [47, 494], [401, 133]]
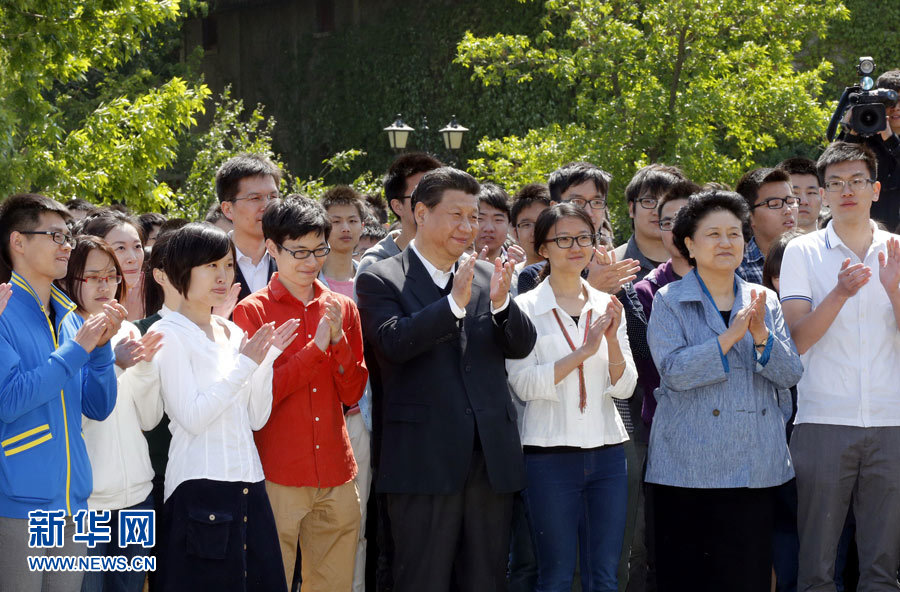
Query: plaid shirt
[[751, 268]]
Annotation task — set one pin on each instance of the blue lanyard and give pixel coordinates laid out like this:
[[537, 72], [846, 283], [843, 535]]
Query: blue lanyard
[[706, 290]]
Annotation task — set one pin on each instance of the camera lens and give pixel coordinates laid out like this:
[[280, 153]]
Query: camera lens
[[868, 118]]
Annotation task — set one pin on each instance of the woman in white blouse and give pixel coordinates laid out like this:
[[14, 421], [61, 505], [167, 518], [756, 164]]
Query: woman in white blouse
[[217, 388], [572, 434]]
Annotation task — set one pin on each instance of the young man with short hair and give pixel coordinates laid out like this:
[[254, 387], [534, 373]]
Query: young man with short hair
[[643, 193], [54, 368], [527, 205], [346, 210], [773, 211], [372, 233], [840, 292], [493, 221], [244, 185], [805, 185], [305, 448]]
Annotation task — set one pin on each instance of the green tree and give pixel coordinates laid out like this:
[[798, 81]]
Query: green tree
[[709, 85], [112, 146]]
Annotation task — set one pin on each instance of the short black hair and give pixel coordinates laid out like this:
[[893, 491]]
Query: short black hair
[[293, 217], [527, 195], [344, 195], [890, 79], [106, 220], [229, 175], [193, 245], [846, 152], [431, 188], [798, 165], [548, 219], [373, 229], [653, 179], [575, 173], [215, 213], [698, 207], [772, 264], [154, 297], [149, 220], [494, 196], [404, 166], [680, 190], [748, 186], [23, 212], [76, 204], [377, 207]]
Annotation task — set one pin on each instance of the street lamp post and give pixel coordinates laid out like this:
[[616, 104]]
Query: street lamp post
[[398, 135]]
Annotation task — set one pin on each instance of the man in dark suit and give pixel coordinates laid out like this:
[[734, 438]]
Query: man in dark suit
[[450, 455], [244, 185]]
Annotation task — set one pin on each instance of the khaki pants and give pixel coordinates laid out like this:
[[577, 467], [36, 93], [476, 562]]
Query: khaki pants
[[360, 440], [326, 521]]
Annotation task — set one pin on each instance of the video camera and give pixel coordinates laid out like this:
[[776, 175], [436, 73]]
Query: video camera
[[868, 107]]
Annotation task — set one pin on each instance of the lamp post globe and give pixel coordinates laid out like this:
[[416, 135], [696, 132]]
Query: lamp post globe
[[453, 134]]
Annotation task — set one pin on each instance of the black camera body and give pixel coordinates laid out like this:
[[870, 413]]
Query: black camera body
[[867, 106]]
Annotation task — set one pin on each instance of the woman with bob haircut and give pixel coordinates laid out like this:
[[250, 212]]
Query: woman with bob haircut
[[717, 447], [572, 434], [217, 388], [120, 459]]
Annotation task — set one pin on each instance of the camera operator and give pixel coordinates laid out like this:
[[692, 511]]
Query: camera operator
[[886, 146]]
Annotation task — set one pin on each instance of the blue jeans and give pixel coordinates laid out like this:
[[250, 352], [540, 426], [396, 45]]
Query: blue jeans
[[577, 500], [118, 581]]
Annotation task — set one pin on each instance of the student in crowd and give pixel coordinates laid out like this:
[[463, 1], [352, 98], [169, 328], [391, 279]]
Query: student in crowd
[[215, 217], [54, 368], [450, 458], [586, 185], [527, 204], [346, 210], [642, 193], [847, 427], [150, 223], [399, 182], [120, 461], [126, 237], [377, 207], [305, 447], [805, 185], [773, 211], [217, 388], [493, 222], [572, 434], [717, 448], [80, 209], [244, 185], [372, 233]]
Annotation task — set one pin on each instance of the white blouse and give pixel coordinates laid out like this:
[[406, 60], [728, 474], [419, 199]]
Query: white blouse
[[215, 397], [552, 416]]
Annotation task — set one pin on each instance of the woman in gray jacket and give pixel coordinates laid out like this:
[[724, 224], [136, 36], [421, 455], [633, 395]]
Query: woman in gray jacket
[[717, 446]]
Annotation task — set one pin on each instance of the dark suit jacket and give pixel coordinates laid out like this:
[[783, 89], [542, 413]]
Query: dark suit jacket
[[440, 376], [239, 277]]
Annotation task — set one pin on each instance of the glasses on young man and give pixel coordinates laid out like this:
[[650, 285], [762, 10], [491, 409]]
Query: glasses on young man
[[95, 281], [667, 224], [595, 204], [305, 253], [258, 199], [567, 242], [776, 203], [525, 226], [648, 203], [60, 238], [856, 184]]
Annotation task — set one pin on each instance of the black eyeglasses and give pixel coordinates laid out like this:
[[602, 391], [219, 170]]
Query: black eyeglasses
[[305, 253], [648, 203], [776, 203], [60, 238], [526, 226], [594, 204], [567, 242]]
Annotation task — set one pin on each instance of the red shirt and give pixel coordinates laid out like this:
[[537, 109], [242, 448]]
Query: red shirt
[[305, 442]]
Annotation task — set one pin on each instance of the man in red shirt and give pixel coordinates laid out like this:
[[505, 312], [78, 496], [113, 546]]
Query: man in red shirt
[[304, 447]]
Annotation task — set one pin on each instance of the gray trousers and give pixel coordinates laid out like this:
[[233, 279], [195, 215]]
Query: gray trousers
[[14, 573], [834, 463]]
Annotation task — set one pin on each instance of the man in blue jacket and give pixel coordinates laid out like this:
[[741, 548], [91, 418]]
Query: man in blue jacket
[[54, 367]]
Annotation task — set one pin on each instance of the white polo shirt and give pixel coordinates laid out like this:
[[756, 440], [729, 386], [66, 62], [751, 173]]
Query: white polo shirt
[[852, 374]]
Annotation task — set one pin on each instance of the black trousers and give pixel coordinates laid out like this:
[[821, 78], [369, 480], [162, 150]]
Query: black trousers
[[461, 538], [713, 540], [221, 536]]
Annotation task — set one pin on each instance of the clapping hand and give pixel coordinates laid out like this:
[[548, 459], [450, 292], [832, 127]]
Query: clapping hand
[[225, 309], [853, 277], [130, 351], [285, 334], [257, 346], [608, 275], [889, 267], [115, 314], [613, 316], [500, 282], [461, 291]]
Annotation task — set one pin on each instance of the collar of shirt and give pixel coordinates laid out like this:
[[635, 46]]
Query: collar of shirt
[[633, 252], [280, 292], [545, 300], [246, 260], [832, 239], [440, 278], [752, 252]]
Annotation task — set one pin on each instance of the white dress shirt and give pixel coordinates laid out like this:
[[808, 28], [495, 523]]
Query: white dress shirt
[[852, 374], [257, 276], [441, 278], [215, 397], [552, 416]]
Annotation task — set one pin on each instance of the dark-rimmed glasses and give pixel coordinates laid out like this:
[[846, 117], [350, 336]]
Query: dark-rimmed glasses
[[567, 242], [60, 238], [305, 253]]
